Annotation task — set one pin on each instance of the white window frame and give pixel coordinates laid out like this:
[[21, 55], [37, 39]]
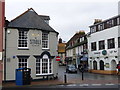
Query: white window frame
[[23, 39], [23, 58], [41, 62], [45, 40]]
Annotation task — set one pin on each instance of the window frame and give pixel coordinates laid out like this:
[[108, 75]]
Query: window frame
[[112, 44], [101, 44], [118, 42], [22, 57], [49, 70], [45, 40], [93, 46], [22, 39]]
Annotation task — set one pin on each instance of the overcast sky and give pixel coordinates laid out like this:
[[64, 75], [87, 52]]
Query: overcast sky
[[67, 16]]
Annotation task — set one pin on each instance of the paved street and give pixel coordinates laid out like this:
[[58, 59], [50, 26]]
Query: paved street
[[74, 81], [88, 77]]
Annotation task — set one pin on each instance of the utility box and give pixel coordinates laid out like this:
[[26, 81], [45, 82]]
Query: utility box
[[23, 76]]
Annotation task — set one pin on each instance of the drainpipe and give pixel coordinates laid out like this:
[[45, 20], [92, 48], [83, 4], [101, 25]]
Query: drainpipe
[[5, 55], [6, 25]]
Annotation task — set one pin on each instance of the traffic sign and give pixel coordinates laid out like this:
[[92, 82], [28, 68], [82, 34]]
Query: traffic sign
[[57, 58]]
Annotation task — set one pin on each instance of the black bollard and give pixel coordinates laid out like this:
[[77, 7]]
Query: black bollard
[[65, 78], [82, 76]]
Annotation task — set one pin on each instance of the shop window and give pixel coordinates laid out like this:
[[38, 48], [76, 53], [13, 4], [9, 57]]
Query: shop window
[[43, 65], [101, 65], [94, 65], [22, 62]]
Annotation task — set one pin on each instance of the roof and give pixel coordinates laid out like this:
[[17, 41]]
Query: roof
[[44, 17], [31, 20], [105, 20]]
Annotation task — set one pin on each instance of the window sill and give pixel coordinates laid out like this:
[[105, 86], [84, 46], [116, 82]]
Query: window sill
[[23, 48], [44, 75], [46, 49]]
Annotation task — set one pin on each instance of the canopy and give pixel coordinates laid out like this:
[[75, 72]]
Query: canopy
[[84, 59]]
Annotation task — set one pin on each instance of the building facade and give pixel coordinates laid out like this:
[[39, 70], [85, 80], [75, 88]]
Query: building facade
[[76, 49], [61, 51], [104, 46], [30, 42]]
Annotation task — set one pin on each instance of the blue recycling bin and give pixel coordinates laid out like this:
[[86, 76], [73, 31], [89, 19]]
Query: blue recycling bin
[[19, 76], [23, 76]]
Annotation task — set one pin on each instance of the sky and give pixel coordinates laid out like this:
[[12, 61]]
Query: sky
[[67, 16]]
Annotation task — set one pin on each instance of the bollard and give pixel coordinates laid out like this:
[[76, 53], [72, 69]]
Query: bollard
[[65, 78], [82, 76]]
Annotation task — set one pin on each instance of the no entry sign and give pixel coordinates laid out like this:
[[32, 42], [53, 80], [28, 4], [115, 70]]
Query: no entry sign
[[57, 58]]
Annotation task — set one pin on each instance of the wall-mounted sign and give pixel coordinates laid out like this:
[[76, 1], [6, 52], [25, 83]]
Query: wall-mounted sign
[[104, 52], [35, 41], [96, 52], [113, 51]]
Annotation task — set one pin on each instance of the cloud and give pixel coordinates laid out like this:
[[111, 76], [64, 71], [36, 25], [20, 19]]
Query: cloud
[[67, 18]]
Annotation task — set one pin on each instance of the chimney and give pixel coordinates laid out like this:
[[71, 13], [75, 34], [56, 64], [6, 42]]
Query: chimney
[[60, 40], [97, 21]]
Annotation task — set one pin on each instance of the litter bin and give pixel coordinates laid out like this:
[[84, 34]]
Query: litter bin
[[23, 76]]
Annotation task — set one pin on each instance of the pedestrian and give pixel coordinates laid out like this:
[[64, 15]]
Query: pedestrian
[[118, 67]]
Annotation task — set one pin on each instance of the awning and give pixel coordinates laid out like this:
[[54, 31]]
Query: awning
[[84, 59]]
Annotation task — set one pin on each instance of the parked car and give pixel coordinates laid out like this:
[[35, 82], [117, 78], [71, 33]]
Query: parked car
[[71, 69]]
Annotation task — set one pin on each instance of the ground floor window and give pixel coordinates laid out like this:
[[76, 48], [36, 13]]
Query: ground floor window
[[22, 62], [43, 65], [94, 65], [101, 65]]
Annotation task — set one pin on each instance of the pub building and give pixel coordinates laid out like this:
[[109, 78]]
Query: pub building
[[104, 45], [30, 43]]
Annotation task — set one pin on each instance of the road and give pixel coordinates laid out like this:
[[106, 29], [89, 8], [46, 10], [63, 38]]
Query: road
[[74, 81], [89, 78]]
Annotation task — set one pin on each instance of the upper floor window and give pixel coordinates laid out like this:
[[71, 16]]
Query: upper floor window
[[118, 21], [23, 39], [111, 43], [101, 45], [93, 46], [45, 40], [119, 42]]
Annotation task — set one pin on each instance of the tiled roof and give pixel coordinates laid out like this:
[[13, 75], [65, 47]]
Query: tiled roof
[[30, 19]]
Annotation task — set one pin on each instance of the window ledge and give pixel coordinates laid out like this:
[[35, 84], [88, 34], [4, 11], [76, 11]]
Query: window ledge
[[20, 48], [46, 49], [44, 75]]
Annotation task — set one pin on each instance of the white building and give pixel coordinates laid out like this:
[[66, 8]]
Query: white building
[[104, 46]]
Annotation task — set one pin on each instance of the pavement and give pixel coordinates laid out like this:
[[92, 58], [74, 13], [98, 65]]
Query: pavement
[[69, 82], [73, 80]]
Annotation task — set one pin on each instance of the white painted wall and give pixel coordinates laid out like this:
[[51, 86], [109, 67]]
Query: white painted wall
[[103, 35]]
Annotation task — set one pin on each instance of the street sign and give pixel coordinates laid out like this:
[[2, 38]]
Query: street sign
[[57, 58]]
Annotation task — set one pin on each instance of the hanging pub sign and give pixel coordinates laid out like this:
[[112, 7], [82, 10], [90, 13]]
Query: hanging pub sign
[[57, 58]]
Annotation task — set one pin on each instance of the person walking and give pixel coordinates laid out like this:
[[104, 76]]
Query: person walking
[[118, 67]]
